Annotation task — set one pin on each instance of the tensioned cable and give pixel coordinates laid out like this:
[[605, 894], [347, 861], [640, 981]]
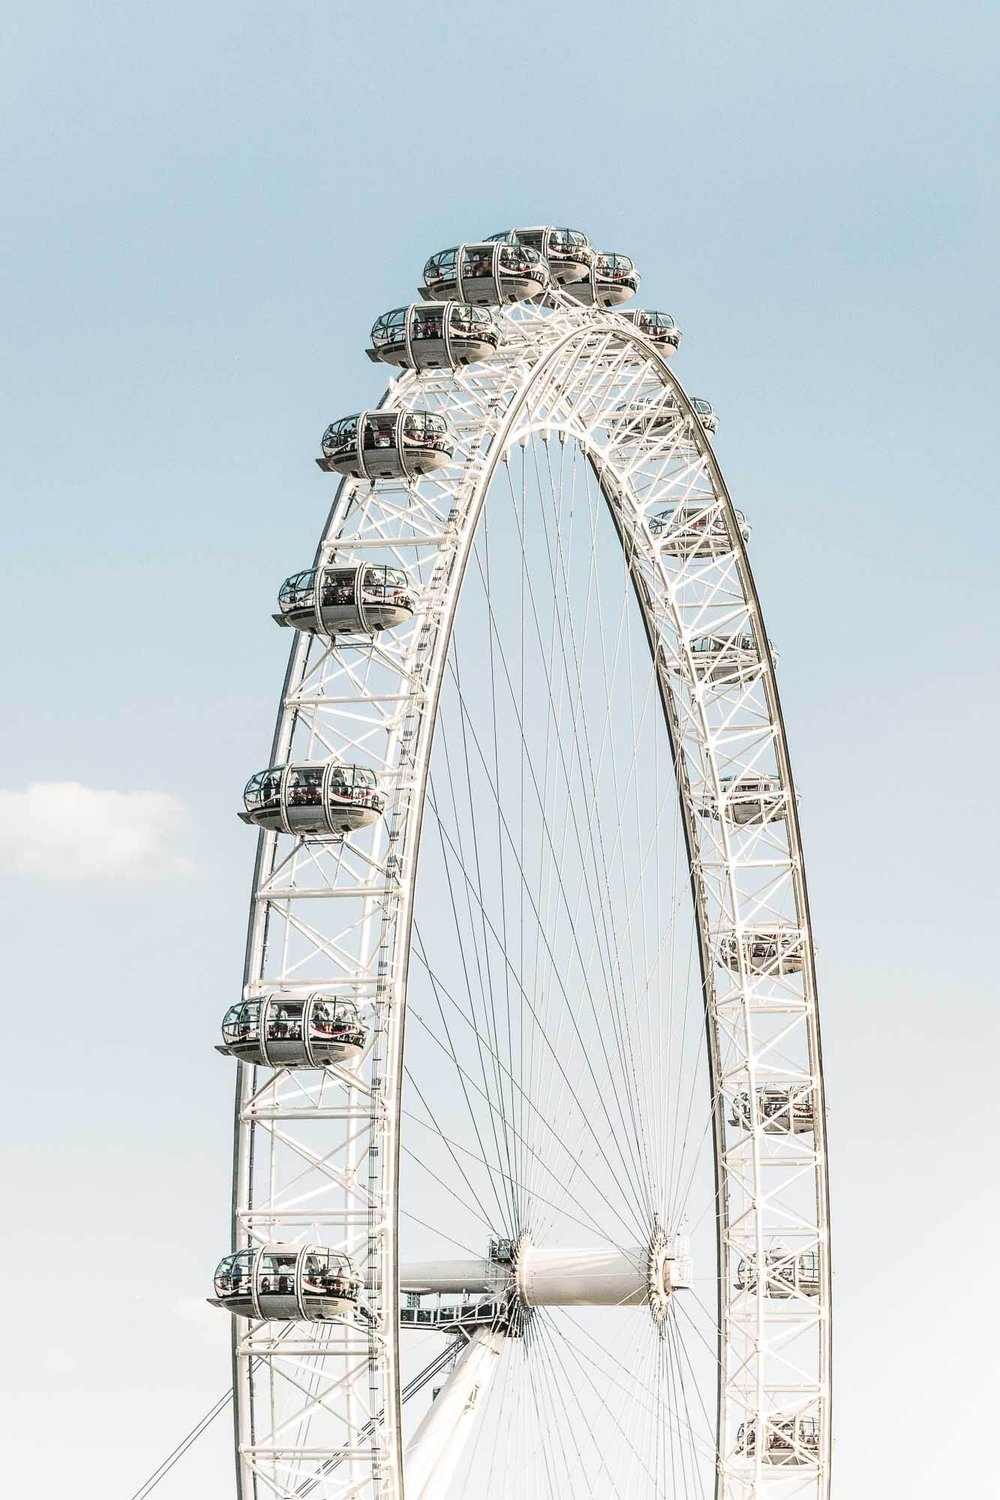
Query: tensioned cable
[[185, 1443], [627, 1041], [556, 560], [561, 1069], [600, 1093], [439, 989], [487, 989], [510, 840], [598, 909]]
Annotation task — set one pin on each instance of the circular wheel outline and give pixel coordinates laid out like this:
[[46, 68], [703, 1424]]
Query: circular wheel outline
[[505, 389]]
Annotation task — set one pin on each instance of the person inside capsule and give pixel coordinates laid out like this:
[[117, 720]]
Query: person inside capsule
[[477, 264], [277, 1272], [337, 587], [305, 786]]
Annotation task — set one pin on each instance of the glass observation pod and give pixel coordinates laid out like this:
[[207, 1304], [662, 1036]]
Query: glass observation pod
[[764, 950], [729, 658], [659, 328], [688, 529], [648, 419], [567, 252], [491, 271], [706, 414], [434, 336], [386, 445], [610, 280], [780, 1110], [787, 1274], [345, 601], [787, 1440], [279, 1032], [318, 798], [288, 1282], [748, 797]]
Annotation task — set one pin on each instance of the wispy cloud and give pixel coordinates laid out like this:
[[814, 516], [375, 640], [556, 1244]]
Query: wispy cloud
[[61, 830]]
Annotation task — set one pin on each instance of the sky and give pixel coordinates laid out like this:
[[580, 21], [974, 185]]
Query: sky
[[207, 205]]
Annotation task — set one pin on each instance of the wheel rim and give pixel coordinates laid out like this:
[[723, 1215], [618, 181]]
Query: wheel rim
[[319, 1409]]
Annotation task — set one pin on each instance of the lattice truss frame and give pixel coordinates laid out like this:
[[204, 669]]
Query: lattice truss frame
[[318, 1406]]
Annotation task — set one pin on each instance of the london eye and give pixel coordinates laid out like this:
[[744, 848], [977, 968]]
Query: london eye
[[530, 1192]]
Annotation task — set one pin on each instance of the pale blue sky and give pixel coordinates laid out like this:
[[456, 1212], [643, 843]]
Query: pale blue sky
[[207, 205]]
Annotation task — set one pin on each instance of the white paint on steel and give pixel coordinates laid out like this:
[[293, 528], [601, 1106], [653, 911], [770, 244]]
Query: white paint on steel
[[559, 373], [436, 1448]]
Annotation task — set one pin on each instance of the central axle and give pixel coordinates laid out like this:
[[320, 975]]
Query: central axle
[[599, 1276]]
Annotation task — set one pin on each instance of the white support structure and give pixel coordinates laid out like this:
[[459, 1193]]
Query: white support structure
[[601, 1276], [318, 1405], [438, 1444]]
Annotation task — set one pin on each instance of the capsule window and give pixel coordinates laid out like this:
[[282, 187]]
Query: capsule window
[[388, 328], [336, 587], [263, 788], [326, 1273], [379, 430], [276, 1272], [471, 320], [423, 427], [234, 1273], [379, 583], [477, 262], [297, 590], [284, 1021], [340, 434], [428, 323], [305, 786], [441, 267], [333, 1018], [241, 1021]]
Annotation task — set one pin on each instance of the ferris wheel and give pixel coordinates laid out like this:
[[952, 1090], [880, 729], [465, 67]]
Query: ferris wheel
[[530, 1192]]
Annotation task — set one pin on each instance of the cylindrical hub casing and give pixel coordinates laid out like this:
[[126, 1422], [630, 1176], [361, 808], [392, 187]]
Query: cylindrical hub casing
[[602, 1277]]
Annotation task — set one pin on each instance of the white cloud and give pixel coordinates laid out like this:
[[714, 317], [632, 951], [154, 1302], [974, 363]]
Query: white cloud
[[62, 830]]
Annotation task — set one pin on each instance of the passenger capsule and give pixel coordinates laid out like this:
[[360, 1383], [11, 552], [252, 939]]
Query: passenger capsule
[[486, 272], [611, 279], [659, 328], [746, 798], [764, 950], [781, 1109], [386, 445], [314, 799], [706, 414], [635, 421], [690, 529], [788, 1273], [434, 336], [788, 1439], [281, 1032], [356, 600], [724, 659], [567, 252], [289, 1282]]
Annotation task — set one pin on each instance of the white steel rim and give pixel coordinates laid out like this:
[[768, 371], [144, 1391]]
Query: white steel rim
[[341, 919]]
